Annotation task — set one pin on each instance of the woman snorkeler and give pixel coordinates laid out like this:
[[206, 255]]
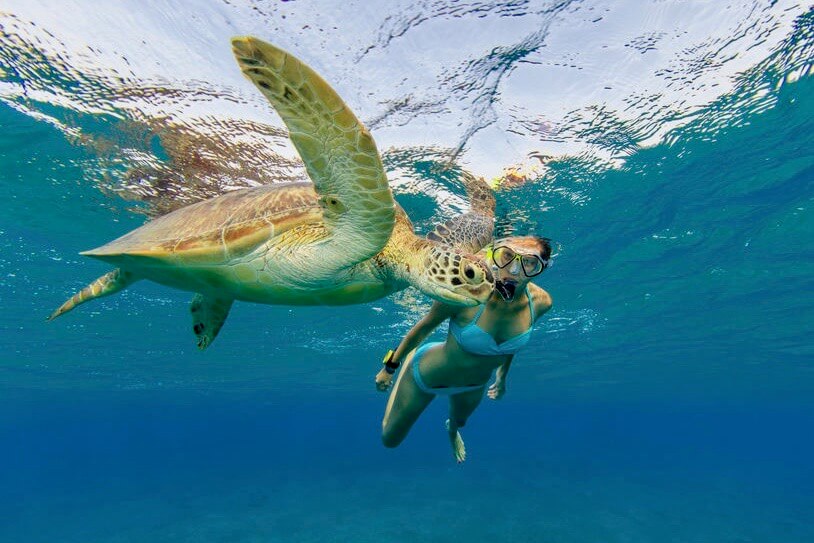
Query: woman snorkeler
[[480, 340]]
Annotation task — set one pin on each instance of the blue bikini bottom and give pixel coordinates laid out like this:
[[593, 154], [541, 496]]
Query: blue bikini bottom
[[439, 390]]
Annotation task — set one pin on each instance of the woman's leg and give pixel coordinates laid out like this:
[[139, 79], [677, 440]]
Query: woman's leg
[[406, 403], [460, 407]]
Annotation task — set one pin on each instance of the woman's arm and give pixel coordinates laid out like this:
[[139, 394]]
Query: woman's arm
[[542, 301], [439, 312], [498, 388]]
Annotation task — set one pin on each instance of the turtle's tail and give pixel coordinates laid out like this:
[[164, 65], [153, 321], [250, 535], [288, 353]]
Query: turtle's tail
[[109, 283]]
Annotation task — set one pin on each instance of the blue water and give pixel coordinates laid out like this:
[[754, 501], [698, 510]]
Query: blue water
[[666, 397]]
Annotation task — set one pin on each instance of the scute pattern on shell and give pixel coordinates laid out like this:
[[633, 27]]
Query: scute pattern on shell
[[221, 228]]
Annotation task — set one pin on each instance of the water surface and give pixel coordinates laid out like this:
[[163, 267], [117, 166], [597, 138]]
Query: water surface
[[665, 146]]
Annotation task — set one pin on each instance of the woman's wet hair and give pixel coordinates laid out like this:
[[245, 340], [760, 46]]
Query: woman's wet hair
[[543, 244]]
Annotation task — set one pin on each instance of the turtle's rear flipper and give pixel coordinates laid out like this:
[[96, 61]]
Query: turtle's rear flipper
[[208, 315], [109, 283]]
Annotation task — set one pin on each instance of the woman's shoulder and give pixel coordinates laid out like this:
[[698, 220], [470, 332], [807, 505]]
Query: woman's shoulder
[[542, 299], [441, 311]]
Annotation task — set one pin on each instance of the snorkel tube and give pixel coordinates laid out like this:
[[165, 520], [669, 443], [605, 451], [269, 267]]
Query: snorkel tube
[[506, 287]]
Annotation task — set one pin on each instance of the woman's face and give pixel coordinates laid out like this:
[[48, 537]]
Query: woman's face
[[511, 278]]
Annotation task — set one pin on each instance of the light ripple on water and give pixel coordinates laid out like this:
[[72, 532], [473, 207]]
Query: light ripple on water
[[151, 132]]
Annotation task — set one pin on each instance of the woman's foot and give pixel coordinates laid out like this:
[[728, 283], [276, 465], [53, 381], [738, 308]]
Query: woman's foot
[[457, 442]]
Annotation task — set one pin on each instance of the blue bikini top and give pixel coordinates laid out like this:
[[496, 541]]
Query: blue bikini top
[[475, 340]]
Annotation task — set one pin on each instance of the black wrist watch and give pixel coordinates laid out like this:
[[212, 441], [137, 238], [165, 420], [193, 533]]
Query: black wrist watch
[[390, 366]]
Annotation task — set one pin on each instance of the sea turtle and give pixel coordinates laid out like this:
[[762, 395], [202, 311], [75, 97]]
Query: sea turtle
[[339, 240]]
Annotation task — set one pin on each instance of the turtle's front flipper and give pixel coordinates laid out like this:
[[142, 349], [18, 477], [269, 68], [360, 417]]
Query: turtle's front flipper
[[208, 315], [109, 283], [338, 151], [471, 231]]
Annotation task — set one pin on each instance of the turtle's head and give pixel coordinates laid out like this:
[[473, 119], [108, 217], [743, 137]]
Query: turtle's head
[[450, 276]]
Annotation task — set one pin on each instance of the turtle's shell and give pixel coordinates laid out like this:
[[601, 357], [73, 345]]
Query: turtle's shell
[[220, 229]]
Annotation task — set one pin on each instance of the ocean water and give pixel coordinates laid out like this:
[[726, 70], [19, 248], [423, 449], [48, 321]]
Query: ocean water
[[668, 149]]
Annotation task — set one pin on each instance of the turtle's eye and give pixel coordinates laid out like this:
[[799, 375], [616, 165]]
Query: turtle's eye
[[469, 272]]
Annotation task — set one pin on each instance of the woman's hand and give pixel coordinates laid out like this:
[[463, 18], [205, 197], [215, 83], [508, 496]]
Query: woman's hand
[[496, 390], [383, 380]]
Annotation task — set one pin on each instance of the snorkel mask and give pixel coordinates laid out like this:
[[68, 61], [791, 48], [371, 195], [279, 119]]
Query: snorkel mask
[[531, 264]]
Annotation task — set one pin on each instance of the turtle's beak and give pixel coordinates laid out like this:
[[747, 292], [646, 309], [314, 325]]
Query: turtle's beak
[[454, 298]]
